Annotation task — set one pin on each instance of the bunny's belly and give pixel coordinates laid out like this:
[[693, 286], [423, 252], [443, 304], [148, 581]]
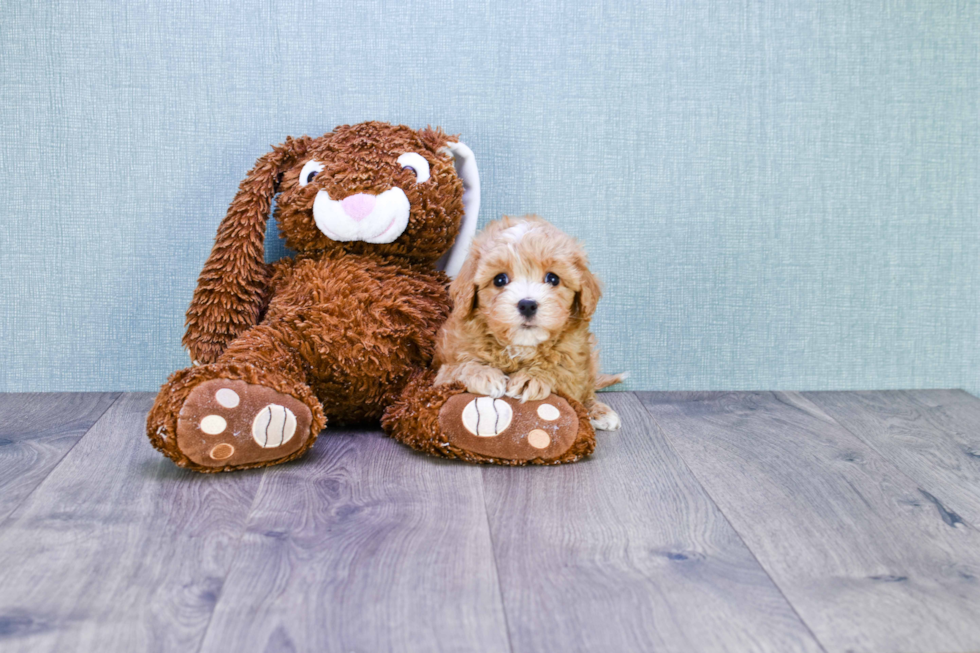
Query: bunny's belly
[[362, 325]]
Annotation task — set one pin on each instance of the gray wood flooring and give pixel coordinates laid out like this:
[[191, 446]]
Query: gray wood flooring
[[838, 522]]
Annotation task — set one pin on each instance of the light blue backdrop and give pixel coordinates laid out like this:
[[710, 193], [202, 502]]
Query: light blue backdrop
[[777, 194]]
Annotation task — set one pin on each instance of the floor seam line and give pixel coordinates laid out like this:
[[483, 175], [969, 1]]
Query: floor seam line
[[231, 565], [707, 493], [885, 457], [493, 552], [119, 395]]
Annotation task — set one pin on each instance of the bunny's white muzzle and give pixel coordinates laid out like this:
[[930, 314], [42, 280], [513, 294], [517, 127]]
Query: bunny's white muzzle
[[370, 218]]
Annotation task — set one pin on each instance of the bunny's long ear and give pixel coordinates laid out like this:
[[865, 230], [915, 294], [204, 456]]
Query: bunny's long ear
[[468, 173], [233, 286]]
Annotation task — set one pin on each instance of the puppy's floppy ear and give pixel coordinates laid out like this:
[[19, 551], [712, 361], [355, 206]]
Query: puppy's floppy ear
[[587, 298], [233, 286], [463, 288]]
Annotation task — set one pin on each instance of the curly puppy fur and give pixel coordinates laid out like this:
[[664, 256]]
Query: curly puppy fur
[[520, 322], [342, 326]]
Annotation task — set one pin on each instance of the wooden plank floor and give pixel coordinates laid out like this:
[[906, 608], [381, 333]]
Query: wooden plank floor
[[711, 522]]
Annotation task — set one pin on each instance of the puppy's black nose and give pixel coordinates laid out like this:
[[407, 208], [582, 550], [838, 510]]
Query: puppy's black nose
[[527, 307]]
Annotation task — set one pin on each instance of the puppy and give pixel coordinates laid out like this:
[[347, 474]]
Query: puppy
[[520, 322]]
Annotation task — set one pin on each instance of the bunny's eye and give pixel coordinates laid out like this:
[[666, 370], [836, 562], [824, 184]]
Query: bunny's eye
[[552, 279], [417, 164], [309, 171], [501, 280]]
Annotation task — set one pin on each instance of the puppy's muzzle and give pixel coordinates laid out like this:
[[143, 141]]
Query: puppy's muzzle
[[527, 308]]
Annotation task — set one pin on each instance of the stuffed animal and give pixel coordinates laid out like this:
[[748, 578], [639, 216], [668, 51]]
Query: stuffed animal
[[343, 331]]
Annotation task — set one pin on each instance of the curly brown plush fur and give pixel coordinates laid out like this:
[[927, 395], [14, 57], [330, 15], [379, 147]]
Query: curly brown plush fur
[[236, 283], [343, 325]]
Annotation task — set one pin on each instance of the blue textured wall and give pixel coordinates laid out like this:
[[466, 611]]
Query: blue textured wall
[[777, 194]]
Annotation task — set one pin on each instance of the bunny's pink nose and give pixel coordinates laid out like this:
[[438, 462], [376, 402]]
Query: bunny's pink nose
[[358, 206]]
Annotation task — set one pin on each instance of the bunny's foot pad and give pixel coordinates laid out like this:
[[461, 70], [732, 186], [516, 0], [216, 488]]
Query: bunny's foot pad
[[507, 429], [228, 423]]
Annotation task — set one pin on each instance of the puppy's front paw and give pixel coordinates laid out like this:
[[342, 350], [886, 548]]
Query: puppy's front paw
[[604, 418], [527, 388], [487, 381]]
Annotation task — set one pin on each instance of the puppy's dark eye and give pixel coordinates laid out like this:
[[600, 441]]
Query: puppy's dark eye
[[310, 176], [410, 168], [552, 279], [501, 280]]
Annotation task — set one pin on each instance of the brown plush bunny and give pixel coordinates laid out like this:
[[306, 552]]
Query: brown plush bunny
[[345, 329]]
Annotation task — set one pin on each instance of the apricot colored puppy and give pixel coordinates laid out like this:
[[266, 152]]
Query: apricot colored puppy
[[520, 322]]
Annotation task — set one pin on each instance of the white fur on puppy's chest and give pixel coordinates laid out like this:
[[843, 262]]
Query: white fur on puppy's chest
[[386, 221]]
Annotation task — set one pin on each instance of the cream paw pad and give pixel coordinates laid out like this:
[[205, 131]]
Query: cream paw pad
[[508, 429], [229, 422], [486, 417]]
